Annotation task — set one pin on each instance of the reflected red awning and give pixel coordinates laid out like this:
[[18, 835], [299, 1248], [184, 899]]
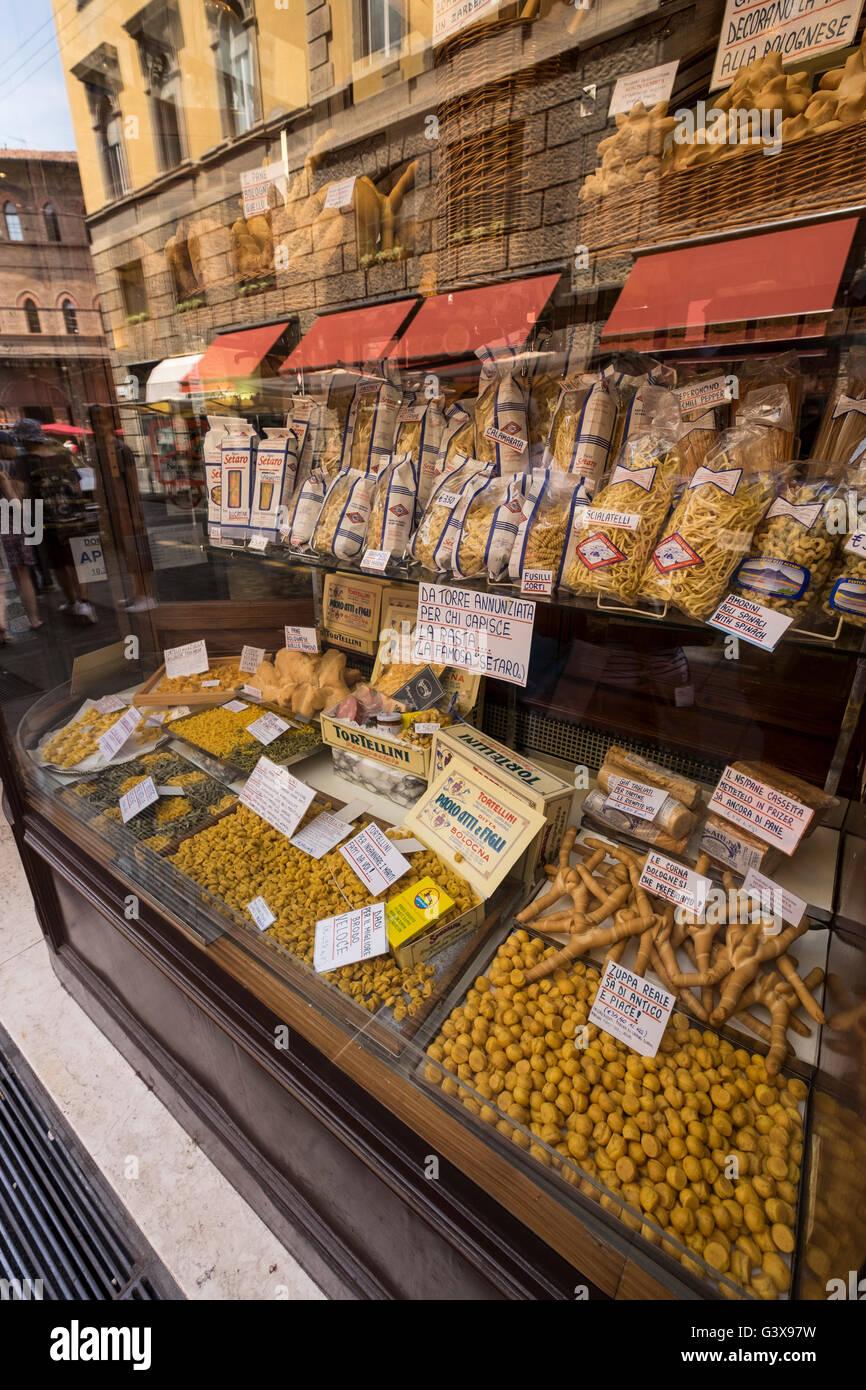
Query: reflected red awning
[[772, 275], [233, 355], [350, 338], [450, 324]]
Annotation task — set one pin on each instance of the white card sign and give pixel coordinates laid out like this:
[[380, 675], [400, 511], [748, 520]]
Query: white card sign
[[667, 878], [251, 659], [110, 704], [350, 937], [536, 582], [635, 798], [258, 542], [773, 817], [650, 86], [375, 561], [267, 728], [631, 1008], [321, 835], [775, 901], [275, 795], [490, 634], [302, 639], [113, 740], [760, 626], [260, 913], [797, 29], [375, 859], [188, 660], [236, 706], [144, 793], [339, 194]]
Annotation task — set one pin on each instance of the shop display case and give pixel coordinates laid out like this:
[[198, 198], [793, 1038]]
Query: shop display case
[[522, 518]]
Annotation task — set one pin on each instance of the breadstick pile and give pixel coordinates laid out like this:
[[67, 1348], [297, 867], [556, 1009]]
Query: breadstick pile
[[737, 966]]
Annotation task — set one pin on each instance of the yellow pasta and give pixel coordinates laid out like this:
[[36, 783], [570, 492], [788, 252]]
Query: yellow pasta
[[792, 549]]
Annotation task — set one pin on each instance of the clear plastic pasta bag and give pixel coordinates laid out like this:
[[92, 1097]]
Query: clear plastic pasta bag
[[392, 511], [488, 527], [548, 516], [582, 430], [342, 523], [434, 540]]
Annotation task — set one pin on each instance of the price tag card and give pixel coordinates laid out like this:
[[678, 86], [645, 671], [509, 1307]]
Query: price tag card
[[703, 395], [536, 582], [760, 626], [632, 1009], [189, 660], [267, 728], [207, 685], [666, 878], [260, 913], [650, 86], [421, 691], [251, 659], [170, 791], [635, 798], [109, 703], [258, 542], [856, 543], [775, 901], [113, 740], [254, 693], [353, 809], [275, 795], [351, 937], [773, 817], [423, 728], [375, 859], [376, 561], [321, 835], [154, 720], [411, 846], [302, 639], [143, 794]]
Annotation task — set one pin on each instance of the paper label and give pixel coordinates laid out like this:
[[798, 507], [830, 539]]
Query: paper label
[[189, 660], [768, 813], [674, 553], [635, 798], [375, 560], [600, 516], [536, 582], [113, 740], [275, 795], [353, 809], [267, 728], [856, 543], [260, 913], [485, 633], [321, 835], [351, 937], [703, 395], [109, 704], [143, 794], [727, 479], [641, 477], [845, 404], [154, 720], [258, 542], [760, 626], [631, 1008], [254, 693], [597, 551], [375, 859], [251, 659], [447, 499], [807, 513], [650, 86], [775, 901], [411, 846], [507, 437], [236, 706], [421, 728], [797, 31], [302, 639], [667, 878], [171, 791], [207, 685], [339, 194]]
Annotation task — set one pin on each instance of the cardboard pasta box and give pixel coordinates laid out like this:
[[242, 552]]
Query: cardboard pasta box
[[351, 611]]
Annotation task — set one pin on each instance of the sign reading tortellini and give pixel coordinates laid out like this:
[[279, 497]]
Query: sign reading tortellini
[[798, 29]]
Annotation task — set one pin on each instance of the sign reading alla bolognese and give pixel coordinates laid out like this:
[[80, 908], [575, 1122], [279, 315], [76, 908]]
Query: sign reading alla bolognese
[[798, 29]]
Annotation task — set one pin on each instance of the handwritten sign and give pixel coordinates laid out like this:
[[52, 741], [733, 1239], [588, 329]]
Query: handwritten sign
[[635, 798], [260, 913], [631, 1008], [760, 626], [251, 659], [144, 793], [275, 795], [375, 859], [302, 639], [188, 660], [667, 878], [339, 194], [650, 86], [113, 740], [775, 901], [350, 937], [773, 817], [490, 634], [267, 728], [796, 30], [321, 835]]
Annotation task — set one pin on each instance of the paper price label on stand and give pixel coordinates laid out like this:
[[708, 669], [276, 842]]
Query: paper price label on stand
[[143, 794], [266, 729], [376, 561], [189, 660], [251, 659], [302, 639], [171, 791], [351, 937], [490, 634], [254, 693], [208, 685], [109, 704], [352, 810], [275, 795], [260, 913], [112, 741], [703, 395], [632, 1009], [236, 706], [773, 817], [375, 859], [321, 835], [635, 798], [536, 582], [760, 626], [775, 901], [666, 878], [258, 542]]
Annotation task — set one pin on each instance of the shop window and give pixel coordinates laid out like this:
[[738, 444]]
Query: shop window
[[233, 59], [133, 293], [158, 37], [382, 27], [31, 316], [100, 74], [52, 224], [70, 316], [13, 222]]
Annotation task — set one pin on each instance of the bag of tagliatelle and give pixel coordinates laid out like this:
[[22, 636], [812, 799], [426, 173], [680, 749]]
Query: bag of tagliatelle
[[342, 524], [434, 540], [392, 512], [501, 431], [553, 500], [488, 527]]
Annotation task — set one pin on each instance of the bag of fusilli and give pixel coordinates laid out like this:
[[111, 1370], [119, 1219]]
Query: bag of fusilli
[[488, 527], [548, 514]]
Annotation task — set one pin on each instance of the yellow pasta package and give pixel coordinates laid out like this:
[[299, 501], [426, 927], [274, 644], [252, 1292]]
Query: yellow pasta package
[[847, 591], [455, 444], [488, 527], [371, 424], [548, 516], [436, 535]]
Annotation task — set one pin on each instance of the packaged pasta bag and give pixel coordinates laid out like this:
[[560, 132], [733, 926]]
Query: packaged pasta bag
[[305, 507], [793, 548], [420, 426], [371, 424], [582, 430], [342, 524], [847, 585], [611, 541], [434, 540], [455, 444], [488, 527], [842, 436], [639, 384], [711, 527], [755, 378], [547, 518], [392, 512], [303, 421], [501, 432]]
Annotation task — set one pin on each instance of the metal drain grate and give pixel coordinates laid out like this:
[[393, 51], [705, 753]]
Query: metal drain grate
[[61, 1235]]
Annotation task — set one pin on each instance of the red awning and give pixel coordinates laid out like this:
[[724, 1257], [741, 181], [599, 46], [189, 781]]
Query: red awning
[[233, 355], [450, 324], [773, 275], [350, 338]]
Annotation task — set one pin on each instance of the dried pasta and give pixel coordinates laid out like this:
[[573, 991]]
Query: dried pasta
[[792, 550], [488, 528], [548, 514], [393, 505], [847, 594], [434, 540], [342, 523], [842, 436], [582, 430], [501, 434]]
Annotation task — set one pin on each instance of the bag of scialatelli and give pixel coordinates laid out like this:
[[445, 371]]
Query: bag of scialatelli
[[371, 425], [433, 541], [582, 430], [392, 512], [501, 431], [547, 518], [305, 507], [342, 525], [488, 528]]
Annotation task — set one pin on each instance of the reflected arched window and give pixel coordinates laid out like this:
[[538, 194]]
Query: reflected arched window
[[70, 316], [13, 222], [52, 226], [235, 68], [31, 314]]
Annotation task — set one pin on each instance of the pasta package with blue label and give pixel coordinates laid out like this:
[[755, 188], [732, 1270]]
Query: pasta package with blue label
[[611, 541], [434, 540], [305, 508], [711, 528], [582, 430], [793, 547], [342, 524], [501, 430], [420, 427], [847, 596], [548, 514], [488, 528], [393, 508], [371, 425]]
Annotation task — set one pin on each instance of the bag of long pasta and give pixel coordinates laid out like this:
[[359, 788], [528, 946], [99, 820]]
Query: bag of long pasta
[[488, 526], [545, 384], [582, 430], [842, 436], [371, 425], [420, 426], [434, 540], [305, 506], [342, 524], [641, 386], [847, 594], [392, 511], [793, 548], [456, 443], [611, 541], [501, 433], [548, 516], [759, 375], [711, 527]]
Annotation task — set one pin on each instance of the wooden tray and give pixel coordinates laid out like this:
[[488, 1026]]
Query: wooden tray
[[147, 696]]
